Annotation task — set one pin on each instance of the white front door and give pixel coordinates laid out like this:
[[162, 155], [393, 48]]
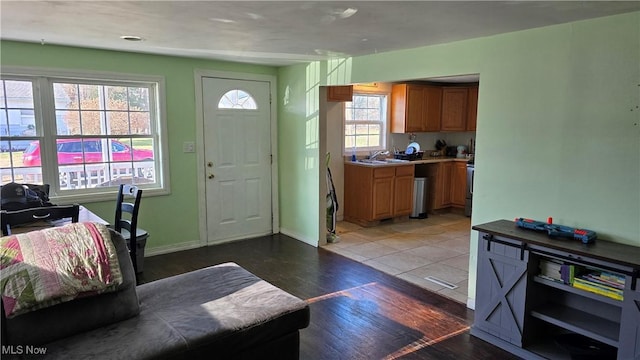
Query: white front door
[[237, 154]]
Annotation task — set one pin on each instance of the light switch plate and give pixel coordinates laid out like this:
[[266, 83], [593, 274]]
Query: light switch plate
[[188, 147]]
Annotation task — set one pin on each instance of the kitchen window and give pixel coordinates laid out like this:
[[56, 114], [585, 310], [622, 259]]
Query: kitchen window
[[365, 124], [84, 134]]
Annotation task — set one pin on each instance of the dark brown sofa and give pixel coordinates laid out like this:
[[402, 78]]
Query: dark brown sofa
[[221, 312]]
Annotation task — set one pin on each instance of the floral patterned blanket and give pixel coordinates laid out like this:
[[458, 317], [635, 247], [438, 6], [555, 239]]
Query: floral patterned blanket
[[46, 267]]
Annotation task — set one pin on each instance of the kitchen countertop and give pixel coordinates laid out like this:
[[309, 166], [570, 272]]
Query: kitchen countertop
[[424, 160]]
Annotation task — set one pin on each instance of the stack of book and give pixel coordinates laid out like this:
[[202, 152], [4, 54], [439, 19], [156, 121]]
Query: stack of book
[[556, 270], [601, 282]]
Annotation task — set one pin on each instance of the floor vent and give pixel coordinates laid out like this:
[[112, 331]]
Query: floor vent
[[446, 284]]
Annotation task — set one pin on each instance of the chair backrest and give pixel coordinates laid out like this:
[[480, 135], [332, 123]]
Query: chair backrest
[[128, 203], [33, 215]]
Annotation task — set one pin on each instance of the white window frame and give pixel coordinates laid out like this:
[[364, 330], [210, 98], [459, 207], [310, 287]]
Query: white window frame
[[385, 125], [44, 108]]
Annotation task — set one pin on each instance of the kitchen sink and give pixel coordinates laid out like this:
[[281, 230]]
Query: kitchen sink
[[370, 161], [380, 162]]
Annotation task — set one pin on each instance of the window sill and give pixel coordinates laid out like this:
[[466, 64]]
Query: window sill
[[109, 195]]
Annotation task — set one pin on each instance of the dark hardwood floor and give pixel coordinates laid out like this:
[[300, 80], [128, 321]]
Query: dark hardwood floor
[[357, 312]]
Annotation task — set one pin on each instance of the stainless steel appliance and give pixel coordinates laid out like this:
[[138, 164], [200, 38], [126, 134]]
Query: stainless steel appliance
[[468, 201], [419, 210]]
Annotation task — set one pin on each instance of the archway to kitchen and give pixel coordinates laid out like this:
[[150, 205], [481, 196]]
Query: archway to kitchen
[[433, 252]]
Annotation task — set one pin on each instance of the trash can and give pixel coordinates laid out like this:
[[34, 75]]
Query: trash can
[[419, 209]]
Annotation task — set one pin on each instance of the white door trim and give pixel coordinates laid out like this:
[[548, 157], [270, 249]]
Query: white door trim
[[199, 74]]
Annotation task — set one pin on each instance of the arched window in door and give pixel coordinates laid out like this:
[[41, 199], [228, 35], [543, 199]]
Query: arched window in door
[[237, 99]]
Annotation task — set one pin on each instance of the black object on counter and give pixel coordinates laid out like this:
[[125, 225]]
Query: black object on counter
[[404, 156]]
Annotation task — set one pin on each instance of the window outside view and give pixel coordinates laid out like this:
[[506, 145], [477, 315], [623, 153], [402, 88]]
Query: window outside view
[[237, 99], [365, 123], [96, 135]]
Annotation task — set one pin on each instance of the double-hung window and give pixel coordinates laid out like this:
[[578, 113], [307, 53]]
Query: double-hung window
[[365, 125], [83, 135]]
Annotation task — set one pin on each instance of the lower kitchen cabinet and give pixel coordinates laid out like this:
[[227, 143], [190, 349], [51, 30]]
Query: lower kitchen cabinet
[[403, 191], [526, 311], [373, 193], [436, 183], [459, 184], [447, 183], [382, 194]]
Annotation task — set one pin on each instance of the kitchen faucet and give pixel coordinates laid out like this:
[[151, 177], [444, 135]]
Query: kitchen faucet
[[375, 154]]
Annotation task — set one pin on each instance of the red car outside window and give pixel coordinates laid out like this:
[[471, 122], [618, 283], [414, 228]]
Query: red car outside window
[[72, 151]]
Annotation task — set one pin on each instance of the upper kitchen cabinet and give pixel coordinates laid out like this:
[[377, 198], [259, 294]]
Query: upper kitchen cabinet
[[454, 109], [415, 108], [340, 93], [472, 108]]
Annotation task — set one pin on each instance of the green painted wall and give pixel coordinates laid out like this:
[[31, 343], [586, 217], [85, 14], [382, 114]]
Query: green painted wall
[[172, 219], [298, 151], [558, 123]]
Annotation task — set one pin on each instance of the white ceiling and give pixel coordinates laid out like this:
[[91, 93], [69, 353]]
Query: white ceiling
[[281, 32]]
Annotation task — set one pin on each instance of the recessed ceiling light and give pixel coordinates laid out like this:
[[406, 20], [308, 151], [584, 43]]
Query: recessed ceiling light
[[254, 16], [345, 13], [224, 21], [131, 38]]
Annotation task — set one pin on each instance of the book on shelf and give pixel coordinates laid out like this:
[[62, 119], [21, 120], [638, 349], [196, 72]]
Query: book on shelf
[[596, 288], [603, 281], [558, 271], [568, 272], [609, 277], [542, 276], [550, 269]]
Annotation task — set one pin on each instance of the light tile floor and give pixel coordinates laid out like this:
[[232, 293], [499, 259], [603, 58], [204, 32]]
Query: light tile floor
[[412, 250]]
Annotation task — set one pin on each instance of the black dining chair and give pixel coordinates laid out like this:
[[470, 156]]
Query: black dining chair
[[126, 223], [31, 216]]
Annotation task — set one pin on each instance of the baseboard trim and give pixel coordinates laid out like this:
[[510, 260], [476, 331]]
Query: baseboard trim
[[159, 250], [471, 303]]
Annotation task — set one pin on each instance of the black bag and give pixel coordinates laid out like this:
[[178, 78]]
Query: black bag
[[24, 196]]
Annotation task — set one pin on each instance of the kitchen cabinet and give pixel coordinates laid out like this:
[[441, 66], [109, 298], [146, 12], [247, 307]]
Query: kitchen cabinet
[[373, 193], [526, 313], [446, 171], [340, 93], [403, 191], [459, 184], [472, 108], [382, 194], [454, 109], [415, 108], [439, 183], [447, 182]]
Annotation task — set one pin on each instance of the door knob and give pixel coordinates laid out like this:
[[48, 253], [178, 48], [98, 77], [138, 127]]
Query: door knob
[[211, 176], [210, 164]]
